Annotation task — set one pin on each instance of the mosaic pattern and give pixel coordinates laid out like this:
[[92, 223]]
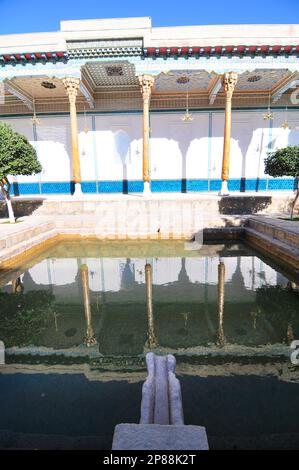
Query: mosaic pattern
[[104, 48], [101, 43], [269, 78], [281, 183], [64, 187], [107, 74], [182, 81], [179, 185], [89, 187]]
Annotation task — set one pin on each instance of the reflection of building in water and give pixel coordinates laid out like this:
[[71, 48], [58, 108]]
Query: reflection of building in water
[[127, 275], [221, 275], [183, 275], [152, 341], [90, 339], [192, 277], [178, 300]]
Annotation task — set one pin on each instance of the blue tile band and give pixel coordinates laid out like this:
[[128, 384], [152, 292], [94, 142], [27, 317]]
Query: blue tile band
[[127, 186]]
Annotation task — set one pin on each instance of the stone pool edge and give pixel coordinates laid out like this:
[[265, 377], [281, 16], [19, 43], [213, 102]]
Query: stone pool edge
[[278, 239]]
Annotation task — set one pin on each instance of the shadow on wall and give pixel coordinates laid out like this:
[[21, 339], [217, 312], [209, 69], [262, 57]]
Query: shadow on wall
[[21, 208], [182, 137], [234, 205], [123, 151]]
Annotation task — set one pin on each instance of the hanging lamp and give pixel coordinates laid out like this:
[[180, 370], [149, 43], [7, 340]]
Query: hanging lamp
[[35, 120], [269, 115], [187, 116], [86, 130], [285, 124]]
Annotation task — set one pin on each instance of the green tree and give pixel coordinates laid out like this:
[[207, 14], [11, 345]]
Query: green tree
[[17, 157], [284, 162]]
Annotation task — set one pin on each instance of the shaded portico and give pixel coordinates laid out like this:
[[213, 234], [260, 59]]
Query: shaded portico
[[127, 83]]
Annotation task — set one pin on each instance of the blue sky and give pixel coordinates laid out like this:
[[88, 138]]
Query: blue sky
[[21, 16]]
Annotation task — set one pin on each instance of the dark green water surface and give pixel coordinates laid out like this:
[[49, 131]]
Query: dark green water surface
[[78, 320]]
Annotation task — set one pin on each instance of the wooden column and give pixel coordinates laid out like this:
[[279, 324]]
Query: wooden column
[[72, 85], [146, 82], [229, 81], [151, 335], [90, 339], [221, 276]]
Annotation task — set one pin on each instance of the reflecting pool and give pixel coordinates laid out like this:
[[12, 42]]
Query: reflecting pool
[[78, 319]]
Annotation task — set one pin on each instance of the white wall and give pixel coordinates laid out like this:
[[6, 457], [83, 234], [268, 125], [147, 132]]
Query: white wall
[[119, 147], [113, 149], [54, 148], [179, 149]]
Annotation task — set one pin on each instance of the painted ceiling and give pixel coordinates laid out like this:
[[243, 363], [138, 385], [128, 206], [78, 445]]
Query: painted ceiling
[[182, 81], [111, 74], [260, 79], [121, 74], [40, 87]]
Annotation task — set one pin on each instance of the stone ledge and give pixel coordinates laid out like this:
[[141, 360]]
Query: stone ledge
[[282, 253], [159, 437]]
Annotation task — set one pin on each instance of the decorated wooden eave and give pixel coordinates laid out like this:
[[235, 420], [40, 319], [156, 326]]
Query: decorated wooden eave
[[218, 51], [131, 50], [35, 57], [93, 48]]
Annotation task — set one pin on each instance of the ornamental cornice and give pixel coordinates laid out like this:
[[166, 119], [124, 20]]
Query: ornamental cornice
[[213, 64], [105, 53]]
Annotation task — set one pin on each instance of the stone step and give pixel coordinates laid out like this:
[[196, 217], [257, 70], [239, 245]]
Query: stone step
[[284, 231], [26, 241], [282, 252]]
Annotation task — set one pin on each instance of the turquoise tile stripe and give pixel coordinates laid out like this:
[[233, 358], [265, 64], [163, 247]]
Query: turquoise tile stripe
[[19, 189], [281, 183], [63, 187], [179, 185]]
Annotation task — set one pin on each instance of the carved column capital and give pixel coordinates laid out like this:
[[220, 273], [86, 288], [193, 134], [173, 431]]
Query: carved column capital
[[229, 81], [146, 83], [71, 84]]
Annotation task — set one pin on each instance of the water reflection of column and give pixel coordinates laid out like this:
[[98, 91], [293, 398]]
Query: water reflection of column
[[221, 275], [151, 335], [90, 339], [290, 333], [17, 286]]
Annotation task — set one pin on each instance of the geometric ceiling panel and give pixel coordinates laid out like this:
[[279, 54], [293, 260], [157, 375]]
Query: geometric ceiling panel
[[260, 79], [40, 87], [182, 81], [111, 74]]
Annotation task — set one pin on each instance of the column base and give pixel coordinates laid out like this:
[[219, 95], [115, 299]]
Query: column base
[[146, 189], [224, 189], [78, 190]]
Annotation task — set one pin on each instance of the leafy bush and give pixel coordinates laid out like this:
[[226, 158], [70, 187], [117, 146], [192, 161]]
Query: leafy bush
[[17, 157], [284, 162]]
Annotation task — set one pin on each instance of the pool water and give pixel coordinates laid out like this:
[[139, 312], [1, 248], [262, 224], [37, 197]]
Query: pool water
[[78, 319]]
